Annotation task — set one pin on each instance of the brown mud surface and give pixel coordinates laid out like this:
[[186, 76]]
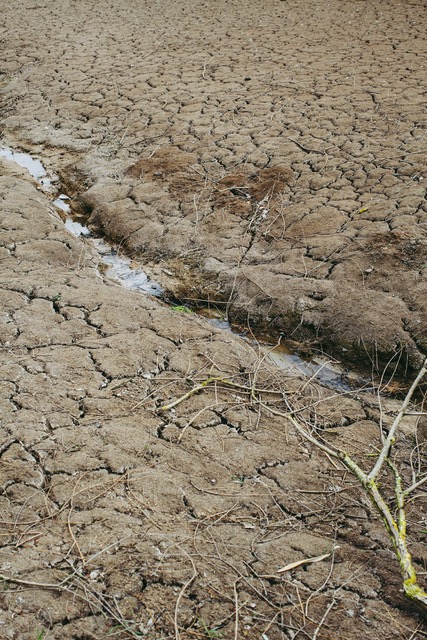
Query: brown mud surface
[[174, 113], [265, 157]]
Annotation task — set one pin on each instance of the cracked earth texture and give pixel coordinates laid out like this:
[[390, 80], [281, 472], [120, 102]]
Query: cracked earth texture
[[267, 158], [173, 114]]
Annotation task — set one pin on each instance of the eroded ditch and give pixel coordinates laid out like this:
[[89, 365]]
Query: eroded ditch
[[129, 273]]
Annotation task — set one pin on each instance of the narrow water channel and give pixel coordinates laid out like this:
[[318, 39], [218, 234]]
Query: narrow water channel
[[131, 276]]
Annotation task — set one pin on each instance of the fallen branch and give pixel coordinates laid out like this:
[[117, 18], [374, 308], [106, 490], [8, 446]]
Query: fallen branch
[[194, 390], [396, 527], [208, 381], [396, 423]]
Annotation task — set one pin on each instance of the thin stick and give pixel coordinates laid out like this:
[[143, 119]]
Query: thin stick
[[73, 537], [319, 626], [181, 593], [391, 434], [208, 381], [41, 585], [236, 601], [190, 422], [414, 486], [192, 391]]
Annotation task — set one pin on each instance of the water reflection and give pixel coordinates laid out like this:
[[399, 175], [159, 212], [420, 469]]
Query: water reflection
[[317, 367], [120, 269], [32, 165], [282, 355]]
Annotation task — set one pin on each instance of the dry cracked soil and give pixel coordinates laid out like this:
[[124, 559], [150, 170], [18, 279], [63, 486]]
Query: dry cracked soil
[[265, 159]]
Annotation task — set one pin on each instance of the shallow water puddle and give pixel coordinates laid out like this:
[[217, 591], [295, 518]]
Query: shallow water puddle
[[319, 368], [33, 166], [284, 357], [121, 269], [75, 224]]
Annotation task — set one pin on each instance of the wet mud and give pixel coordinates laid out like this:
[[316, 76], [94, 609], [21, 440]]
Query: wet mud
[[130, 275]]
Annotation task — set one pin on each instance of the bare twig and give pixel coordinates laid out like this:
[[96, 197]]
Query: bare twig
[[192, 391], [325, 615], [394, 427], [395, 528], [236, 619], [414, 486], [181, 593]]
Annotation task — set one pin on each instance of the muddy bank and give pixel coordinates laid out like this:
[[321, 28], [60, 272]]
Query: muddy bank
[[116, 266], [353, 286]]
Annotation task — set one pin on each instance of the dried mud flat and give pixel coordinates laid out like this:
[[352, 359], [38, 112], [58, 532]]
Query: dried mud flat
[[266, 158]]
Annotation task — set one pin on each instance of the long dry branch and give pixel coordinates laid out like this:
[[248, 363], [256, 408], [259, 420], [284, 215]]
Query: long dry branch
[[396, 528], [389, 441]]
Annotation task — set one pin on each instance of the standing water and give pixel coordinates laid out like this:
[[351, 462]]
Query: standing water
[[120, 269]]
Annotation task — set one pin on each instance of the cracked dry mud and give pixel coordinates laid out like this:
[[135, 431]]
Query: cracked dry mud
[[173, 114], [265, 157]]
